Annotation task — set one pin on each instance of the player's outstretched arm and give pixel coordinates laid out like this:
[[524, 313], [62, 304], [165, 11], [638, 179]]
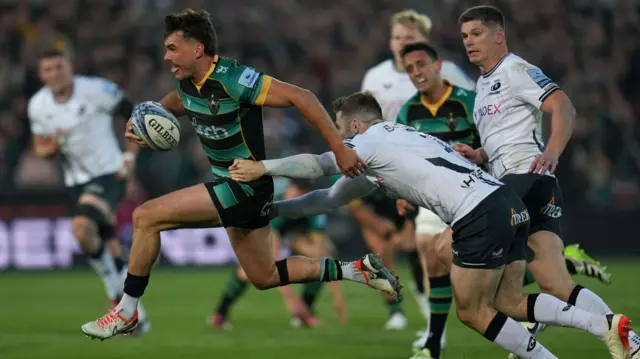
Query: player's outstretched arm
[[325, 200], [302, 166], [282, 94], [563, 115]]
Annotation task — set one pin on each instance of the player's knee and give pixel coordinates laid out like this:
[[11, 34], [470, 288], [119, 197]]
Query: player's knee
[[467, 315], [143, 216], [82, 227], [264, 281]]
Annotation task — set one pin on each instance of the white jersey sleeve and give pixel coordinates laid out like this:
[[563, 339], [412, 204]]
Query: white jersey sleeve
[[106, 94], [364, 147], [529, 84], [36, 116]]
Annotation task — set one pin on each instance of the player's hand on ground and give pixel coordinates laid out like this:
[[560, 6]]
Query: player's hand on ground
[[132, 136], [404, 207], [349, 162], [544, 162], [469, 153], [246, 170]]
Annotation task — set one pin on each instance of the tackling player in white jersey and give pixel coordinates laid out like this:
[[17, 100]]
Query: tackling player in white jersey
[[490, 223], [512, 96], [72, 116], [392, 87]]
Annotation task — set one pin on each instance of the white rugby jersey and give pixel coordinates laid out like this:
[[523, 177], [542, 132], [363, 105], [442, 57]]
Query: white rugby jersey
[[392, 88], [422, 169], [90, 148], [508, 116]]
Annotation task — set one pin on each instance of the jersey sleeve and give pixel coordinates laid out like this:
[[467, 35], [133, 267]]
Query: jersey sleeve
[[106, 94], [36, 121], [250, 87], [529, 84]]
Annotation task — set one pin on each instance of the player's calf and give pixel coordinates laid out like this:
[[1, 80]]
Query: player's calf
[[548, 265]]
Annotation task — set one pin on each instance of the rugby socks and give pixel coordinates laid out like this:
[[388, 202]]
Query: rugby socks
[[588, 301], [102, 262], [547, 309], [310, 293], [134, 286], [332, 270], [128, 305], [233, 290], [416, 271], [528, 279], [394, 306], [513, 337], [440, 299]]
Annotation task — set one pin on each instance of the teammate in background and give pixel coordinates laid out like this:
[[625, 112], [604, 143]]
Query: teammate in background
[[72, 116], [224, 102], [490, 223], [392, 87], [442, 110], [304, 236], [512, 97]]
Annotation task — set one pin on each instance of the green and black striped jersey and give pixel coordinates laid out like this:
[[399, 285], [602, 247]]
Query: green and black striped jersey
[[225, 109], [451, 119]]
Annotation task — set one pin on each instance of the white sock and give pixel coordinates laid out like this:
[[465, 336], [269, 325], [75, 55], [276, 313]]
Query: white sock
[[142, 313], [552, 311], [591, 302], [517, 340], [129, 305], [106, 269]]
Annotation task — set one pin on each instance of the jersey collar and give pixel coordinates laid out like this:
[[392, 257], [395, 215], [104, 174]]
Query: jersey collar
[[200, 83], [488, 73], [433, 107]]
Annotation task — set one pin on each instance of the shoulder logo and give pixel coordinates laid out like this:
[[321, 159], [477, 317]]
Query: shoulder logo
[[539, 77], [214, 105], [222, 69], [248, 77], [461, 92]]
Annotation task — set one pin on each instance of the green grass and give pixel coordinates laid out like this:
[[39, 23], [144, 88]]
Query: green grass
[[41, 314]]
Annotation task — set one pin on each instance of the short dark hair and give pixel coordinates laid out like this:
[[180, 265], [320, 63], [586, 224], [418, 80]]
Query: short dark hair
[[421, 46], [487, 14], [195, 25], [52, 52], [358, 103]]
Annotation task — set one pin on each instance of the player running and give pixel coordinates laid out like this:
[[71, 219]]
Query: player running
[[392, 86], [72, 116], [303, 236], [224, 101], [512, 96], [490, 223]]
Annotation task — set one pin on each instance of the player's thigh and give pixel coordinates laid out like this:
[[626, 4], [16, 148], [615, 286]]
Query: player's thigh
[[474, 290], [190, 207], [253, 248], [443, 248]]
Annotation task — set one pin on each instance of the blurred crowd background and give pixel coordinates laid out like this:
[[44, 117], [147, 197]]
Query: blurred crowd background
[[588, 47]]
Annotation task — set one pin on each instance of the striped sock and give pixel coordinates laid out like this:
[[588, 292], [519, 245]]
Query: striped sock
[[330, 270], [440, 300]]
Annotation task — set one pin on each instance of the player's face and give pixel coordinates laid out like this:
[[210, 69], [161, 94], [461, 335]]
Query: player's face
[[423, 70], [182, 54], [343, 124], [55, 72], [402, 35], [481, 41]]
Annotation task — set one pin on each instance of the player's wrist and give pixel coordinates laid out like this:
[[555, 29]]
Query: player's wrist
[[128, 156]]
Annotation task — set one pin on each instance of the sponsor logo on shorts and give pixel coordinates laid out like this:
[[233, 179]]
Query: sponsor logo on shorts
[[94, 188], [498, 253], [551, 210], [519, 218]]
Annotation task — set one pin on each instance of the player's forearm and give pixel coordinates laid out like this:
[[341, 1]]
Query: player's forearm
[[302, 166], [47, 147], [483, 155], [562, 119], [309, 106]]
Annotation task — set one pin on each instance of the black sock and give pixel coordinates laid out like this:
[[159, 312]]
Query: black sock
[[310, 293], [234, 288], [570, 267], [416, 270], [120, 264], [440, 300], [97, 254], [134, 285]]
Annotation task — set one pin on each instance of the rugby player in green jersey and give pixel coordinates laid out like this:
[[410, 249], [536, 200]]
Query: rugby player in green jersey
[[224, 101]]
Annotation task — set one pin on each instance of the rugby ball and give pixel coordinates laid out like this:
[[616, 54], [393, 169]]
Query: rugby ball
[[157, 127]]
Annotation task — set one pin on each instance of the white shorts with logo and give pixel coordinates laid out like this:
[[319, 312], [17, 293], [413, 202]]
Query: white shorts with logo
[[429, 223]]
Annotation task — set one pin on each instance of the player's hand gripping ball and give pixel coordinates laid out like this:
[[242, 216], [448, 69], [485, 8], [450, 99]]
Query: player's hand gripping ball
[[156, 126]]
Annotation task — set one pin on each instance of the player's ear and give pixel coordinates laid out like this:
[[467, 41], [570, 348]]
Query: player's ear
[[199, 50], [438, 65], [500, 36]]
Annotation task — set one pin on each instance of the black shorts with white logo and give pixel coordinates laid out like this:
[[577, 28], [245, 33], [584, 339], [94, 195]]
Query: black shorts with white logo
[[242, 205], [385, 207], [542, 196], [493, 234], [108, 188]]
